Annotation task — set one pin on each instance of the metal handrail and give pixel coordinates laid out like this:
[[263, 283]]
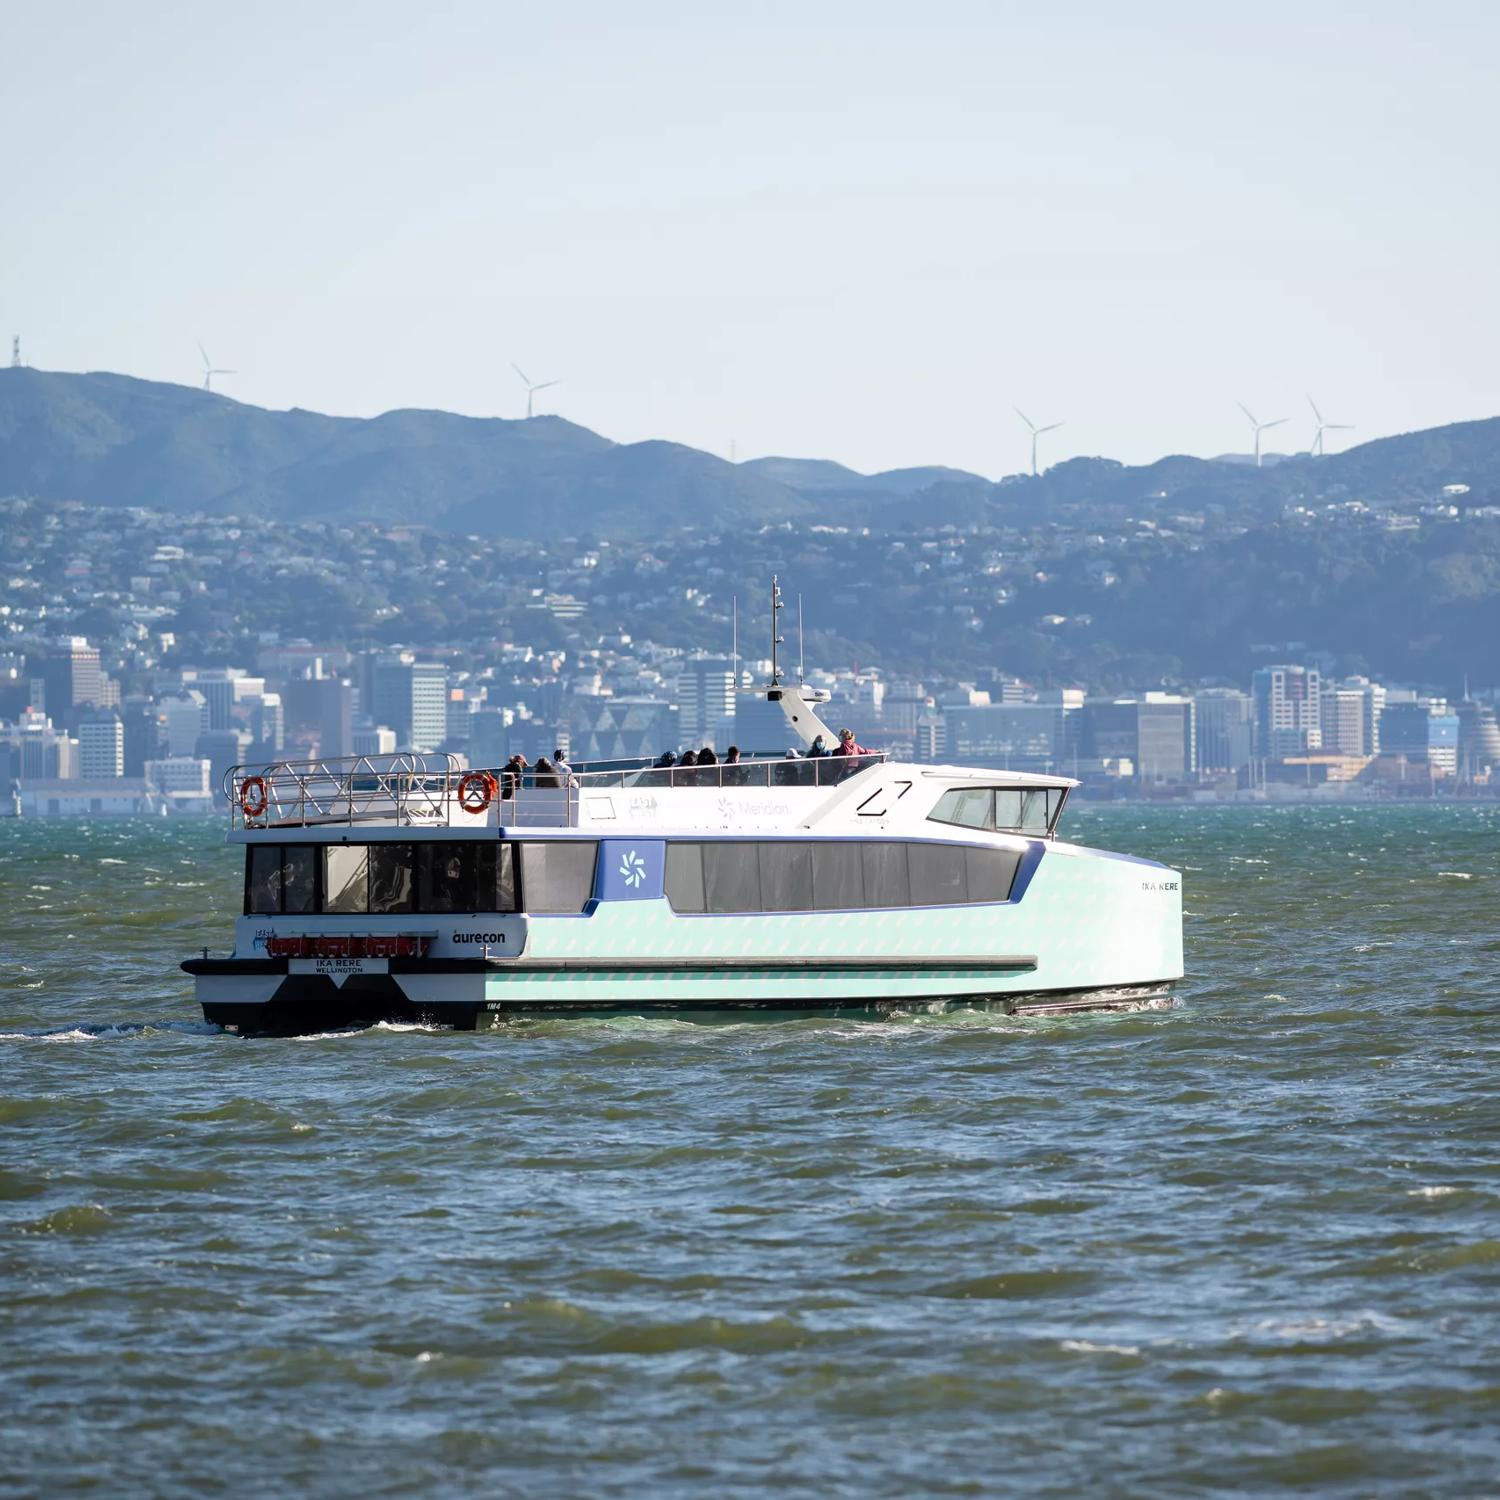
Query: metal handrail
[[411, 786], [414, 786]]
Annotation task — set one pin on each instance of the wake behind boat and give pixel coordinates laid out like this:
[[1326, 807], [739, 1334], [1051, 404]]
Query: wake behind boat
[[408, 888]]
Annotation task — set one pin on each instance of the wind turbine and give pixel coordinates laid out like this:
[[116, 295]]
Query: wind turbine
[[208, 369], [1317, 442], [532, 388], [1259, 427], [1036, 432]]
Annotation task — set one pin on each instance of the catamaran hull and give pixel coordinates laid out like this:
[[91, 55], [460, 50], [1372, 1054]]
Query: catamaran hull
[[304, 1005]]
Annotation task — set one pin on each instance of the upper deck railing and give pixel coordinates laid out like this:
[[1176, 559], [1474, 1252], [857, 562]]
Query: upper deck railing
[[423, 788]]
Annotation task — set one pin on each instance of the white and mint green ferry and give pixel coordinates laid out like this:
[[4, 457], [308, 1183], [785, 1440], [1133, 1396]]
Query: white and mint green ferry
[[408, 888]]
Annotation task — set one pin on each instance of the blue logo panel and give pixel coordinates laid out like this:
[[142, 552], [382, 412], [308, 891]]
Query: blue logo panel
[[631, 869]]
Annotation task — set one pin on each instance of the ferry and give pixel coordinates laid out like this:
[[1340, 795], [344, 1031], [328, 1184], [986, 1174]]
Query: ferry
[[410, 888]]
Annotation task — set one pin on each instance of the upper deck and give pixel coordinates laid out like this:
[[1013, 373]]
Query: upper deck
[[412, 791]]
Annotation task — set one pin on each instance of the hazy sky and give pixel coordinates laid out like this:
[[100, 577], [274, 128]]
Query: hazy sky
[[859, 231]]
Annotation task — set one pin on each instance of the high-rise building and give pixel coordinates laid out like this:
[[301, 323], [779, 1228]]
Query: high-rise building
[[185, 718], [412, 698], [1288, 710], [705, 699], [1166, 738], [1226, 729], [101, 747], [1478, 738], [1350, 716], [1422, 730], [319, 714], [72, 676], [1157, 733], [1008, 736]]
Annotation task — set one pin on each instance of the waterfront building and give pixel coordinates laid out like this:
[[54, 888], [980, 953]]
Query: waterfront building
[[1013, 736], [1350, 716], [1288, 710], [1226, 729], [101, 747], [1423, 730], [1478, 738]]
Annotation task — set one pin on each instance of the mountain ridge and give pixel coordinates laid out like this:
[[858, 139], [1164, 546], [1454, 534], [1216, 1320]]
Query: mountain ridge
[[115, 440]]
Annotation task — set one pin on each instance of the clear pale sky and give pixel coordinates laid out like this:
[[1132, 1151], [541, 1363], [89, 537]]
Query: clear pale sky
[[859, 231]]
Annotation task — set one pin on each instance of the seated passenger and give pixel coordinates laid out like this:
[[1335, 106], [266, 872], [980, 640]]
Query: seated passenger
[[546, 774], [817, 749]]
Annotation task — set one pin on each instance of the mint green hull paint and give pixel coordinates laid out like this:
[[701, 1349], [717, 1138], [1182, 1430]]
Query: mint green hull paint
[[1091, 922]]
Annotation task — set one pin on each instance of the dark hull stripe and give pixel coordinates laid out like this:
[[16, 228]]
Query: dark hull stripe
[[961, 964]]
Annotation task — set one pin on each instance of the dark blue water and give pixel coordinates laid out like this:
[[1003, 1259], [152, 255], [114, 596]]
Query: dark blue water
[[1247, 1245]]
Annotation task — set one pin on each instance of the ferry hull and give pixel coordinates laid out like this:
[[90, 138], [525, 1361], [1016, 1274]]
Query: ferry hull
[[303, 1005]]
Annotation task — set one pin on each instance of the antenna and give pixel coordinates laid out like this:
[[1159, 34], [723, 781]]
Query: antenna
[[776, 639], [1259, 427], [1036, 432], [1322, 427], [208, 369], [15, 352], [801, 659], [533, 386]]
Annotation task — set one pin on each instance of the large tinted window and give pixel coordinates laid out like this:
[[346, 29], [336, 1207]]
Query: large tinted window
[[885, 875], [346, 878], [991, 873], [838, 877], [1009, 809], [263, 879], [684, 876], [391, 883], [939, 875], [786, 876], [731, 877], [558, 876], [465, 877]]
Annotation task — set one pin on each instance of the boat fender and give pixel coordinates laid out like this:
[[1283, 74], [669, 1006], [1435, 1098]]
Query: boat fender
[[253, 797], [476, 790]]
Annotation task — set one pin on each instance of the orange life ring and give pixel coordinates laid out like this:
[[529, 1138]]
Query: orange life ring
[[254, 799], [476, 790]]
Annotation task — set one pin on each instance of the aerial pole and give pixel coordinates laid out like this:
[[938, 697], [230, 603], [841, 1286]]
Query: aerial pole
[[776, 638]]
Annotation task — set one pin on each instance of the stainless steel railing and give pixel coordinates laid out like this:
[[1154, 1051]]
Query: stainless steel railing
[[422, 787]]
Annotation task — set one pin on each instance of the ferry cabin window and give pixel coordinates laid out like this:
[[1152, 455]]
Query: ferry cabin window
[[1005, 809], [346, 878], [453, 877], [886, 882], [558, 876], [391, 884], [281, 878], [796, 875], [938, 875]]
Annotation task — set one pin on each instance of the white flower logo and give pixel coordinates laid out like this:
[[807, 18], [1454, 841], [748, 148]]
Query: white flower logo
[[633, 869]]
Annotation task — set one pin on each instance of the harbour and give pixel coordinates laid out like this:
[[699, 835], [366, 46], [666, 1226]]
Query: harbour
[[603, 1253]]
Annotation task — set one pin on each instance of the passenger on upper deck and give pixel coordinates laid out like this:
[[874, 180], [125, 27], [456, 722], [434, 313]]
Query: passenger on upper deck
[[847, 744], [817, 749], [706, 756], [546, 774], [510, 775]]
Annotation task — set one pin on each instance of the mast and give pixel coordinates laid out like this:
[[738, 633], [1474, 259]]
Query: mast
[[776, 638]]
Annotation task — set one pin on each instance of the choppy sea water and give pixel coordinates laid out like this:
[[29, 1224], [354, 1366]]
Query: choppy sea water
[[1249, 1244]]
